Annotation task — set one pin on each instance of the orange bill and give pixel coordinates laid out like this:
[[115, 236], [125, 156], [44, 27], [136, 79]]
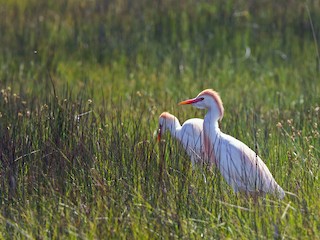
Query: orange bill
[[190, 101]]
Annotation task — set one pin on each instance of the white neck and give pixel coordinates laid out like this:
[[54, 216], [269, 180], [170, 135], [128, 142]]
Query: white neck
[[211, 138], [172, 125], [211, 124]]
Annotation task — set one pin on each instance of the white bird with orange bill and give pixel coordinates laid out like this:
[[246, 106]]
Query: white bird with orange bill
[[240, 166], [190, 134]]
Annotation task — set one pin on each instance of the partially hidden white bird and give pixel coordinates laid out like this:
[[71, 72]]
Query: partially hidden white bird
[[190, 134], [240, 166]]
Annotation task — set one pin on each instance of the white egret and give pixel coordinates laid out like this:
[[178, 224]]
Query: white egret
[[240, 166], [190, 134]]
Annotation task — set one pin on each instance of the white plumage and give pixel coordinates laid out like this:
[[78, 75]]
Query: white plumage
[[190, 134], [240, 166]]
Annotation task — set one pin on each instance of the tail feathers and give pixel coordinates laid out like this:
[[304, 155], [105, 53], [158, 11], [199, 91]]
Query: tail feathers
[[280, 192]]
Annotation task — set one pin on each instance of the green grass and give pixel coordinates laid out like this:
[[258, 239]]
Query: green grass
[[83, 83]]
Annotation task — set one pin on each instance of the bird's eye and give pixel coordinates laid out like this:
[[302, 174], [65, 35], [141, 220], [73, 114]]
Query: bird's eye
[[202, 98]]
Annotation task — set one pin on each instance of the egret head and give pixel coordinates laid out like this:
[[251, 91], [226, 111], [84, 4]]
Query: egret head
[[165, 120], [207, 99]]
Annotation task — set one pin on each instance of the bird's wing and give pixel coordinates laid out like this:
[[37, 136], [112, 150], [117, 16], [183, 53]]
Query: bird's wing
[[192, 131], [190, 135], [243, 168]]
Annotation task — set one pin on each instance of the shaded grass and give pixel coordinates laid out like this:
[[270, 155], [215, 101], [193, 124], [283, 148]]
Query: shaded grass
[[76, 172]]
